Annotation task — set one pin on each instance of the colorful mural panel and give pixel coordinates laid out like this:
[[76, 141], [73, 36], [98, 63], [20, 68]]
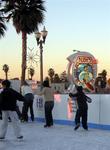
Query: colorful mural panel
[[82, 70]]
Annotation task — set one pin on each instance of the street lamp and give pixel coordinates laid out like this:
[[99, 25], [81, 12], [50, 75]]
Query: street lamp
[[40, 38]]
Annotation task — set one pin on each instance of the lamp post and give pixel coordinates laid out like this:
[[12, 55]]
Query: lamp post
[[40, 38]]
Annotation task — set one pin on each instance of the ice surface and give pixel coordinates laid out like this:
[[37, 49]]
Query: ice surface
[[58, 137]]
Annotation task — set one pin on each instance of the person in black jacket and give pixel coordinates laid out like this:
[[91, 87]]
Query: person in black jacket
[[8, 99], [82, 109]]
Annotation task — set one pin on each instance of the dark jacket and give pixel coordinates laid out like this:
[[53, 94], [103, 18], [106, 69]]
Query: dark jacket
[[82, 100], [8, 99]]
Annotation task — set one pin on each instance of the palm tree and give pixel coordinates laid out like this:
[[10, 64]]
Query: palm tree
[[104, 73], [2, 25], [104, 78], [26, 16], [63, 76], [57, 78], [31, 72], [51, 73], [6, 69]]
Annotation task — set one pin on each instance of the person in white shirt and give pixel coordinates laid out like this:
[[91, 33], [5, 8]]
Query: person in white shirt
[[28, 103]]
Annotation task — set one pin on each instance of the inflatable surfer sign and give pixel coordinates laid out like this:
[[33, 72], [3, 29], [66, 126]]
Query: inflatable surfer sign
[[82, 70]]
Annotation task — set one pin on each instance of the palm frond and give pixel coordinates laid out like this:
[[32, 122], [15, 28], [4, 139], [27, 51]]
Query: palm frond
[[26, 14], [2, 27]]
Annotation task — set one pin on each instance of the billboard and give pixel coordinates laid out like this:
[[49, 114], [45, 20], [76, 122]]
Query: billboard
[[82, 70]]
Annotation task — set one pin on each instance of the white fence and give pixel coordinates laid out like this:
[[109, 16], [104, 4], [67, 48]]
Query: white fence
[[64, 112]]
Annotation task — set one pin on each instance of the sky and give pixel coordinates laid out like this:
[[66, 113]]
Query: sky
[[71, 24]]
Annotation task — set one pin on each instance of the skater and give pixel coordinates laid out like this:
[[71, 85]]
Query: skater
[[8, 98], [28, 103], [49, 103], [82, 109]]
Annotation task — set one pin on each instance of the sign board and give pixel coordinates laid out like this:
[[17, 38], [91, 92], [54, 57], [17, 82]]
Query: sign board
[[82, 70]]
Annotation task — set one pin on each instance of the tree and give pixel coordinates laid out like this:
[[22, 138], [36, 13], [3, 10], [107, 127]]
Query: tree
[[31, 72], [6, 69], [51, 73], [104, 73], [56, 78], [2, 25], [63, 76], [101, 81], [104, 79], [108, 81], [26, 15]]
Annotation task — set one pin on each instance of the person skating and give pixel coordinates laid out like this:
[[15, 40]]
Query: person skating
[[28, 103], [8, 99], [82, 109], [49, 102]]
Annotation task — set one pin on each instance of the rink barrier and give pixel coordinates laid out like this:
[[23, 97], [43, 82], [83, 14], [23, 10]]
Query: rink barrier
[[98, 110], [72, 123]]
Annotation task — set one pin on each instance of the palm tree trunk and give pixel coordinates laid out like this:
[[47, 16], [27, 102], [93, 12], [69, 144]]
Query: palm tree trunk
[[6, 76], [31, 77], [24, 53]]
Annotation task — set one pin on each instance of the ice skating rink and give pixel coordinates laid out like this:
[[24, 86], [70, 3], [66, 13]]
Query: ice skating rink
[[58, 137]]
